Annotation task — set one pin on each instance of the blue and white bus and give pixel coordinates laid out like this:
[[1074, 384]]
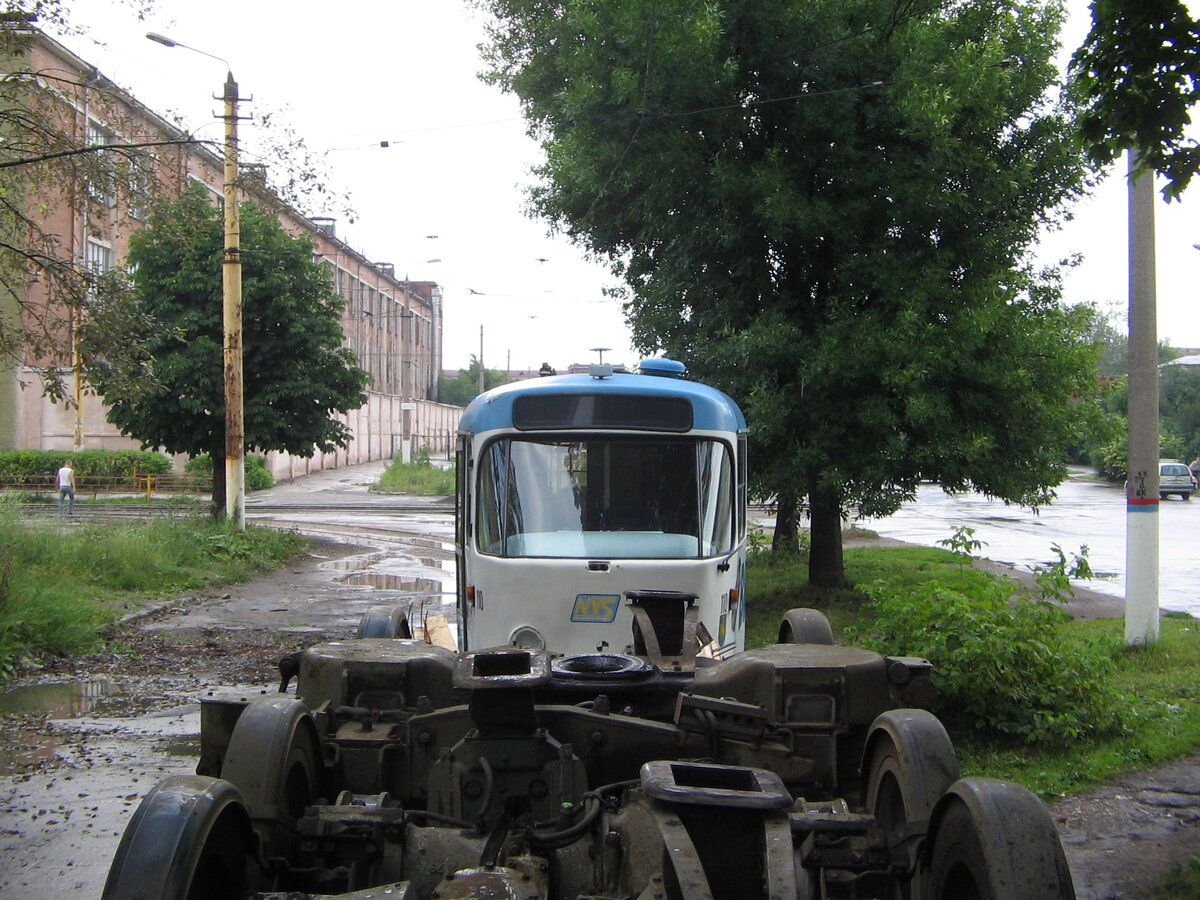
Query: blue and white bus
[[603, 514]]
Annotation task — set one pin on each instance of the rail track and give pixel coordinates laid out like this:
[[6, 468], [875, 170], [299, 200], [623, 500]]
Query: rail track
[[87, 512]]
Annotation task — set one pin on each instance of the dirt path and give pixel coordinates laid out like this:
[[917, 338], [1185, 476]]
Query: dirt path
[[1122, 836]]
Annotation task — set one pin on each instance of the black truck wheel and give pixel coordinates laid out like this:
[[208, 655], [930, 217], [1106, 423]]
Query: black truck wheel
[[909, 763], [274, 759], [805, 626], [190, 839], [384, 622], [994, 840]]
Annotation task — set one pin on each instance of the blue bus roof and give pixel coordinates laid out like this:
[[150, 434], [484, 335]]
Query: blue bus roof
[[711, 409]]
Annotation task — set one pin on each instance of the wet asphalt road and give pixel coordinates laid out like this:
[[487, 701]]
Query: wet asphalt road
[[1086, 512]]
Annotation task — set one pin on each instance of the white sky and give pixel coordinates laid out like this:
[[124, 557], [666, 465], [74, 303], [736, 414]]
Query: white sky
[[347, 76]]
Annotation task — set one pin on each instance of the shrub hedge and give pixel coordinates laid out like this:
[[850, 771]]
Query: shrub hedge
[[105, 463], [1003, 664], [258, 476]]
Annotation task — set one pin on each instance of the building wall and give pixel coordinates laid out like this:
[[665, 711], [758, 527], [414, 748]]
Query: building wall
[[385, 428], [393, 326]]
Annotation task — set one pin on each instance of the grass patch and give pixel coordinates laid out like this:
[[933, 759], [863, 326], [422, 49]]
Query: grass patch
[[417, 477], [60, 587], [777, 582], [1181, 882]]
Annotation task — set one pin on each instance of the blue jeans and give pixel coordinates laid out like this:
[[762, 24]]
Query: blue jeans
[[68, 494]]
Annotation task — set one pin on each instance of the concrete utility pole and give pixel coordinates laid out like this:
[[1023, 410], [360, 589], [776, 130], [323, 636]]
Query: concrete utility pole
[[1141, 490]]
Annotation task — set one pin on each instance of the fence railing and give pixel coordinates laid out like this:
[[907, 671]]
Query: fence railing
[[138, 485]]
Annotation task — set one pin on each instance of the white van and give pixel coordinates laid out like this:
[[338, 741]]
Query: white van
[[1174, 477]]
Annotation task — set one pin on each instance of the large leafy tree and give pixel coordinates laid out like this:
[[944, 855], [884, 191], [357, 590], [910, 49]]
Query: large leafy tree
[[1181, 407], [1138, 73], [297, 374], [826, 207]]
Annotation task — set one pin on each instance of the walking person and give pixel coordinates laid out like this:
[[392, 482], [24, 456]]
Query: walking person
[[66, 488]]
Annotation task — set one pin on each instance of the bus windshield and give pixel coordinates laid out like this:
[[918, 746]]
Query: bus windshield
[[654, 498]]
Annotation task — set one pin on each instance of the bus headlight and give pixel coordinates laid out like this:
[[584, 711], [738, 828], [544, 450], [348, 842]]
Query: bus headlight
[[527, 638]]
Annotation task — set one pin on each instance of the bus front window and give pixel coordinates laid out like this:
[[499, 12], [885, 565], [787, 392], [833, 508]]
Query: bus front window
[[632, 498]]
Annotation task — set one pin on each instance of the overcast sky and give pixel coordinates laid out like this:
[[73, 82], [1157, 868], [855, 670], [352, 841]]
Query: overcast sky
[[349, 75]]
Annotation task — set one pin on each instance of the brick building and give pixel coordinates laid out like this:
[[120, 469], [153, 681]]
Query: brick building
[[392, 325]]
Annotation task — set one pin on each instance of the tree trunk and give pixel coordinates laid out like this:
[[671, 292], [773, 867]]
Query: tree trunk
[[826, 567], [787, 524], [218, 485]]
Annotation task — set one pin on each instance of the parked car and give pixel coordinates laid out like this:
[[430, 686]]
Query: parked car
[[1174, 477]]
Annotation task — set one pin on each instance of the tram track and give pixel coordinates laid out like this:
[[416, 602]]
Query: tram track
[[85, 512], [378, 509]]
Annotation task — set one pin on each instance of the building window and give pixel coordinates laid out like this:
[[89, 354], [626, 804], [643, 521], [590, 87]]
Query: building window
[[141, 187], [98, 188], [99, 257]]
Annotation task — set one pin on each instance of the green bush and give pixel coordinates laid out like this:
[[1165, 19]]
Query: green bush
[[1003, 664], [106, 463], [420, 476], [258, 476]]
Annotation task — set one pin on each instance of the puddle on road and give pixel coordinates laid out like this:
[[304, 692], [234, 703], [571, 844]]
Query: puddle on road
[[23, 747], [350, 563], [28, 741], [58, 701], [384, 582], [358, 571]]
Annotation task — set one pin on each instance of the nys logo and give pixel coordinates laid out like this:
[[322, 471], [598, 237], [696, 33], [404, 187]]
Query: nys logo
[[595, 607]]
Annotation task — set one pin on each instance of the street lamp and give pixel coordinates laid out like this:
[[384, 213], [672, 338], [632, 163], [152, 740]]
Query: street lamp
[[231, 292]]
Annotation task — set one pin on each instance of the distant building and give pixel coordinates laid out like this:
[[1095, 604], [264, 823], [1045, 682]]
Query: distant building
[[392, 325]]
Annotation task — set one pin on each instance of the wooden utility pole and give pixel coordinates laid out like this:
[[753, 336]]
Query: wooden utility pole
[[231, 291]]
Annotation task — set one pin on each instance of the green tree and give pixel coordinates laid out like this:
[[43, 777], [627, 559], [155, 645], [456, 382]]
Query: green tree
[[1180, 407], [1112, 344], [462, 389], [1138, 72], [826, 208], [297, 374]]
